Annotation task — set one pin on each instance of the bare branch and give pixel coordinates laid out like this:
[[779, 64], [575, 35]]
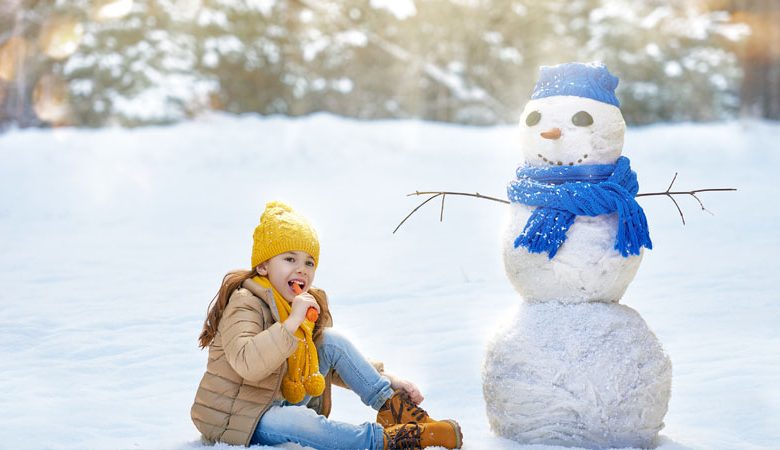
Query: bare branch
[[465, 194], [667, 193], [670, 184], [441, 216], [678, 209], [700, 202], [415, 210], [695, 191], [443, 195]]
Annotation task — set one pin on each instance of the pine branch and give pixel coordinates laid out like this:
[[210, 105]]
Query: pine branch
[[668, 193]]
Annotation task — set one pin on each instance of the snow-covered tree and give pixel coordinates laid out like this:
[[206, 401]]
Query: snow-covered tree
[[92, 62], [136, 65], [672, 58]]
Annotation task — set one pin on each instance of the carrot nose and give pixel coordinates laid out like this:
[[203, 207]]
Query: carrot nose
[[553, 133]]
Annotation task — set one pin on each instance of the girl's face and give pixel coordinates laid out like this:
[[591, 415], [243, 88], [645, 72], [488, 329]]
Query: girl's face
[[286, 269]]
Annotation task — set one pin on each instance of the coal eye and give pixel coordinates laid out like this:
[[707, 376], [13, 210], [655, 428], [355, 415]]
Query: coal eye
[[582, 119], [533, 118]]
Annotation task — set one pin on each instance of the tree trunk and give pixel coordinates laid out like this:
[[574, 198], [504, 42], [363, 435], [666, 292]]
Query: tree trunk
[[760, 58]]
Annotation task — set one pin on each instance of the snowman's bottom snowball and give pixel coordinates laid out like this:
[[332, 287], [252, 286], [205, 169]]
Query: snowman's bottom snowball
[[587, 375]]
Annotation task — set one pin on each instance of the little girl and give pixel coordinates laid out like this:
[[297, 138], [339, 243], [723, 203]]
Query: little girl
[[273, 357]]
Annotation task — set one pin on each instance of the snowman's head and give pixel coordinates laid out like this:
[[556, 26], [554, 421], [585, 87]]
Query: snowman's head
[[573, 117]]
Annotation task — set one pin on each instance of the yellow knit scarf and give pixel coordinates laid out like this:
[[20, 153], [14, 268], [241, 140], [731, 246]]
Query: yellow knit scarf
[[303, 367]]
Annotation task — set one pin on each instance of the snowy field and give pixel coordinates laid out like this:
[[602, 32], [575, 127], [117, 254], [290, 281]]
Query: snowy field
[[112, 243]]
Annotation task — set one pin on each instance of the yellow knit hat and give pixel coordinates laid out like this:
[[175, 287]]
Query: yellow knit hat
[[282, 230]]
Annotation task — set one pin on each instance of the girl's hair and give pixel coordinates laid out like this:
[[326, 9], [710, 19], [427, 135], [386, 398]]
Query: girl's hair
[[230, 283]]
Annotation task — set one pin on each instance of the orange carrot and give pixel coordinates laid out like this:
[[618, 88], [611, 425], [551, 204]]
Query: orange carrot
[[311, 314]]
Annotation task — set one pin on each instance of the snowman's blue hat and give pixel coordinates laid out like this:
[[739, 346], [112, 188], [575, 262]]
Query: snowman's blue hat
[[589, 80]]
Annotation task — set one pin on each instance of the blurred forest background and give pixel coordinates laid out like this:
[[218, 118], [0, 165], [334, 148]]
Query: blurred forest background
[[124, 62]]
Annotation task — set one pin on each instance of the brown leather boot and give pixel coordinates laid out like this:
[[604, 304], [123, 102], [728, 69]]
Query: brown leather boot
[[413, 436], [399, 409]]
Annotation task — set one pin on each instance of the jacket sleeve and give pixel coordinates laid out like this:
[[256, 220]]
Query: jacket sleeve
[[254, 353]]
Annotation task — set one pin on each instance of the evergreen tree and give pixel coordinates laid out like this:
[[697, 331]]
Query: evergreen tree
[[466, 61], [135, 69], [670, 56]]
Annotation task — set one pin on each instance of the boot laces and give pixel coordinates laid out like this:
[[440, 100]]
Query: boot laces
[[406, 437], [416, 412]]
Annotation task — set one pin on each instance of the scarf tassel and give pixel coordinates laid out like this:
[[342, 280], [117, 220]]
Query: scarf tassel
[[537, 237]]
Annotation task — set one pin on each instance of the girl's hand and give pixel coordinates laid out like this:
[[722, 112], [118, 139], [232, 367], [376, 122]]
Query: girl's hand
[[407, 386], [300, 304]]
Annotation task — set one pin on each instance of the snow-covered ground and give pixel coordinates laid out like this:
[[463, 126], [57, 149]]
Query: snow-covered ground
[[112, 243]]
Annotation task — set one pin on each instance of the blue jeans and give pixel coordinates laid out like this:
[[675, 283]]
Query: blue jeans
[[285, 422]]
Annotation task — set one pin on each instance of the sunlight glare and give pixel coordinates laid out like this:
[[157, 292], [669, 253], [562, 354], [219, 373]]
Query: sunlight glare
[[401, 9], [60, 37], [12, 56], [111, 9], [50, 99]]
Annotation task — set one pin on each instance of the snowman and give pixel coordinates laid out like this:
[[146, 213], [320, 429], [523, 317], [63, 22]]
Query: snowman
[[574, 367]]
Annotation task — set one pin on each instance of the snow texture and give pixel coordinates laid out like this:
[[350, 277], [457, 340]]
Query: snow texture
[[113, 241], [588, 375], [586, 268]]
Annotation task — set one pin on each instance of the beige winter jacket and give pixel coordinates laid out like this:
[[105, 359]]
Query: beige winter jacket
[[247, 360]]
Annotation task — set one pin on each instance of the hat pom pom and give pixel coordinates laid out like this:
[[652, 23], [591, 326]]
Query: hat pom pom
[[315, 384], [293, 391], [277, 207]]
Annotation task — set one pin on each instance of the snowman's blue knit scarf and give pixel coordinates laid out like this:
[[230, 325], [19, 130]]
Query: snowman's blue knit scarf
[[561, 193]]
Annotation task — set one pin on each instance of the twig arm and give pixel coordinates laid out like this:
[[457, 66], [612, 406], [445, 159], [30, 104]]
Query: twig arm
[[415, 210], [465, 194], [443, 195], [667, 193], [695, 191]]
